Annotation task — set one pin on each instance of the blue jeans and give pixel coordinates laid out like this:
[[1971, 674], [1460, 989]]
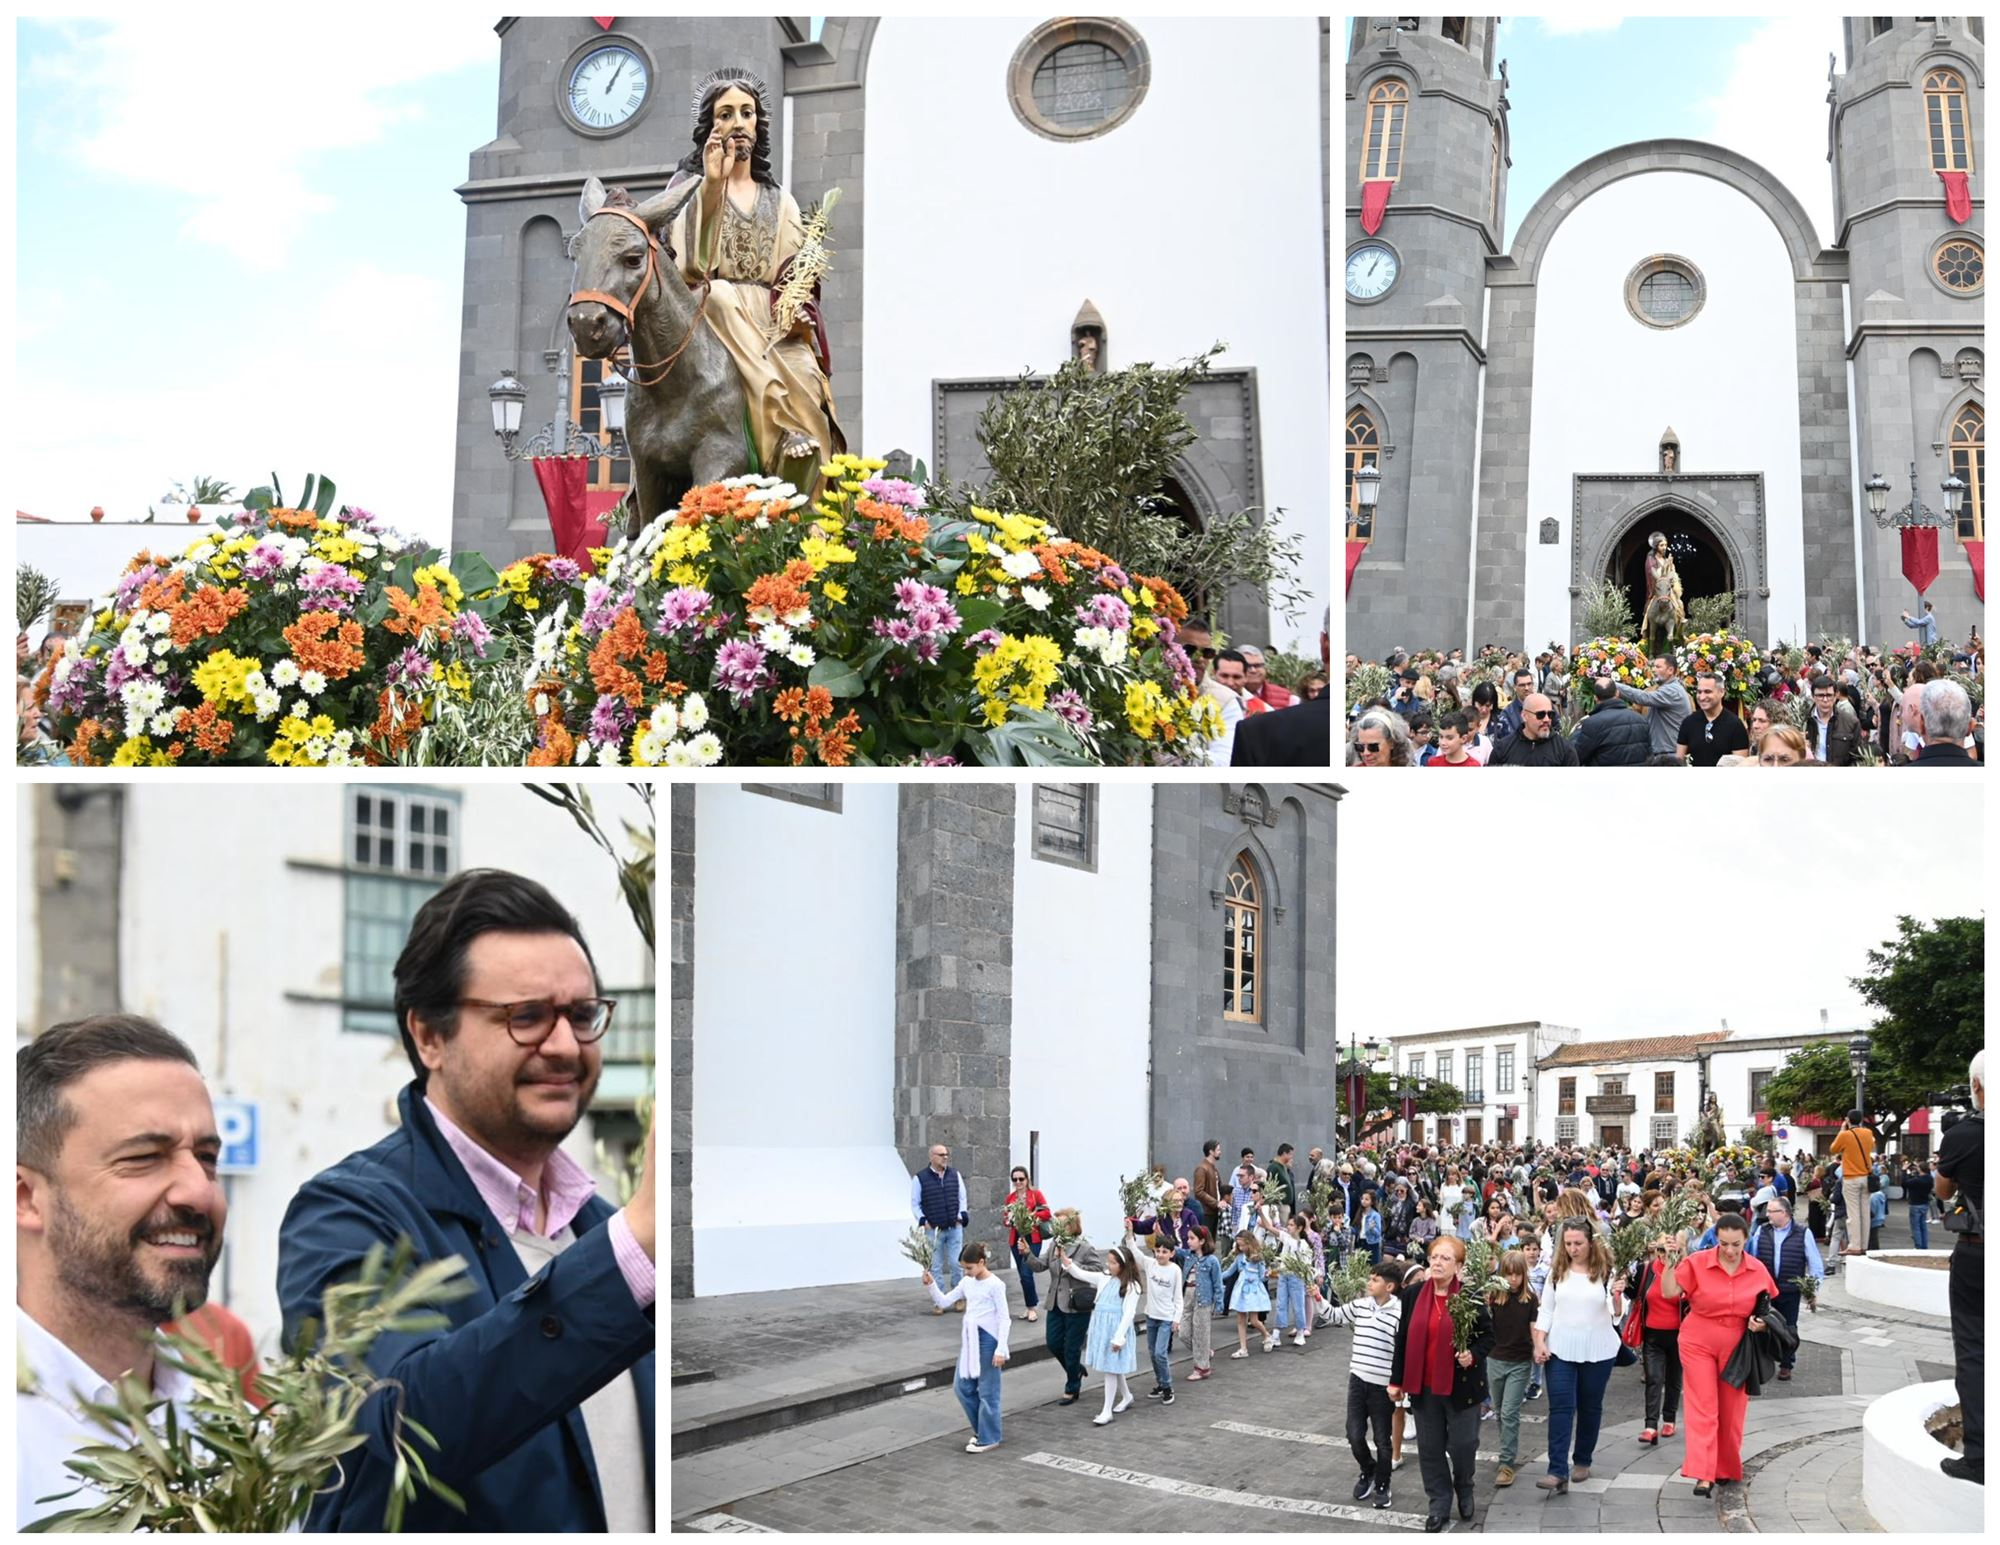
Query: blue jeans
[[1291, 1303], [1160, 1342], [1576, 1400], [1920, 1226], [1029, 1296], [981, 1396], [944, 1256]]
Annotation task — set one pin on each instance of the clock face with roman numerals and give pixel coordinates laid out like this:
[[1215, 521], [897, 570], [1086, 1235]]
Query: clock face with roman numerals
[[607, 87]]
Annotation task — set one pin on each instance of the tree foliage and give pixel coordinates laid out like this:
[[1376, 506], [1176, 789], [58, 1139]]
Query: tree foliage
[[1711, 613], [1090, 452], [1439, 1099], [1607, 610]]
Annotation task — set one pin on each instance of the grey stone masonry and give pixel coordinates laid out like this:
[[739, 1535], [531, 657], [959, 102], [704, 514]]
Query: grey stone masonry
[[680, 946], [77, 910], [954, 983], [1271, 1079]]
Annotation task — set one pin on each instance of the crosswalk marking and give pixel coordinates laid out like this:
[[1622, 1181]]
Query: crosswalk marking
[[1385, 1519], [728, 1523], [1285, 1435]]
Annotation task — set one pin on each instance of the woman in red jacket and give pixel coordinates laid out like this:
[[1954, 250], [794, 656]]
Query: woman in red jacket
[[1660, 1350], [1718, 1291], [1039, 1206]]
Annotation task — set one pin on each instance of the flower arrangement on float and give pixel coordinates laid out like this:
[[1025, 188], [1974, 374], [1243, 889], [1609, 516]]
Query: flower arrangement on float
[[753, 625], [1619, 658], [1729, 655], [299, 637]]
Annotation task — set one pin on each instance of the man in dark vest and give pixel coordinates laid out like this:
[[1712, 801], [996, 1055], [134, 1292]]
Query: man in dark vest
[[937, 1197], [1071, 1302], [1788, 1252]]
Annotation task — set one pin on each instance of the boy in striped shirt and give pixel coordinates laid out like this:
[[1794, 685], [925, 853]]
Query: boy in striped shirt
[[1374, 1317]]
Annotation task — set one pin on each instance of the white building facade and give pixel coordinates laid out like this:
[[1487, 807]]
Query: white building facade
[[1492, 1065], [260, 925]]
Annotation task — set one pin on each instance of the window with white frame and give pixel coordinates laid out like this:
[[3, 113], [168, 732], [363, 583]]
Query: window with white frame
[[1503, 1071], [1416, 1068], [402, 845], [1665, 1133], [1475, 1077], [1565, 1129], [1444, 1067], [1613, 1083]]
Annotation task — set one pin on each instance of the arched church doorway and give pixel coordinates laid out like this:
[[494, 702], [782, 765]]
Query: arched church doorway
[[1700, 557]]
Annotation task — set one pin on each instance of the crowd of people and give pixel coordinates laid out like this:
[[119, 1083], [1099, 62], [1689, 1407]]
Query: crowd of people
[[1817, 705], [1377, 1239], [1263, 722]]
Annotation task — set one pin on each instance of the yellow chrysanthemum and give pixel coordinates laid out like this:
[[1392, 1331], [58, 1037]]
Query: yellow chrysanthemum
[[833, 592]]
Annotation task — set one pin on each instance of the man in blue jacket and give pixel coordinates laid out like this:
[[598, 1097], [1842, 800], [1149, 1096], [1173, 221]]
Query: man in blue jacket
[[540, 1389]]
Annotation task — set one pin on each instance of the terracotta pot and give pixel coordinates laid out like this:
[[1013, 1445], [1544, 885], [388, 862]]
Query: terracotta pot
[[194, 514], [97, 512]]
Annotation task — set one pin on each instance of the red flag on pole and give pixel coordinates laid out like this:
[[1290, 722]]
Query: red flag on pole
[[1957, 196], [1920, 556], [1374, 200], [1354, 552], [562, 480], [1975, 554]]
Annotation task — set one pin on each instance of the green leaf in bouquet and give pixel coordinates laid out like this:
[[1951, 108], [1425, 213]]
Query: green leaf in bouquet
[[473, 572], [319, 493], [917, 1248], [977, 613], [260, 499], [1031, 737], [837, 676]]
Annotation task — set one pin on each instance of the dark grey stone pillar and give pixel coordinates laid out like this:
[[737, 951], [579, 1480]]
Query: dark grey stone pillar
[[954, 986], [680, 936]]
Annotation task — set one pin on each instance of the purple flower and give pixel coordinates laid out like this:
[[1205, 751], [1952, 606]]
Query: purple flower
[[901, 629], [610, 719], [263, 562], [565, 571], [682, 607], [1179, 663], [1070, 708], [986, 639], [118, 672], [893, 490], [938, 761], [908, 593], [1105, 611], [1113, 576], [600, 607], [328, 588], [126, 592], [471, 628], [740, 670], [926, 651], [410, 668]]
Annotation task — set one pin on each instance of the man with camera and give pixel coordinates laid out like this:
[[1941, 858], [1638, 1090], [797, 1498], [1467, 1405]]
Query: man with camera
[[1961, 1187], [1854, 1146]]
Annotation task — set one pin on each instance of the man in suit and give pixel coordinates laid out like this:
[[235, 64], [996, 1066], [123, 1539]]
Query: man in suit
[[1299, 736], [1944, 718]]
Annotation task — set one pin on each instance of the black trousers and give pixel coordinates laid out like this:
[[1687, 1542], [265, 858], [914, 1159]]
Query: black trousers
[[1661, 1352], [1447, 1450], [1368, 1408], [1968, 1340], [1788, 1304], [1066, 1336]]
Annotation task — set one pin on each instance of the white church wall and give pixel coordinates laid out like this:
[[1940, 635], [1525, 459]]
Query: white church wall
[[1181, 230], [796, 1176], [1082, 1031], [1606, 385]]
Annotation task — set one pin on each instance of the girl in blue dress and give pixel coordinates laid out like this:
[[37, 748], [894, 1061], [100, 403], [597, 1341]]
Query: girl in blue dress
[[1110, 1347], [1250, 1299]]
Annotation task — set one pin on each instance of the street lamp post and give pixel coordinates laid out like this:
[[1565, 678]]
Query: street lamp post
[[1368, 492], [1916, 515], [1857, 1059], [560, 436], [1353, 1074]]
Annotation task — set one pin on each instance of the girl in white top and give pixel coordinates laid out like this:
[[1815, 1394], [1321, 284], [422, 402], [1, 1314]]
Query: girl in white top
[[1577, 1328]]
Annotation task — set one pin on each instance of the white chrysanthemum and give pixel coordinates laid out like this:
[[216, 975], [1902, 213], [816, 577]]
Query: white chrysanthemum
[[798, 617], [266, 703], [705, 750], [316, 747], [773, 636], [162, 647], [285, 672], [1005, 592], [302, 709], [646, 751], [64, 665], [164, 723], [694, 712], [677, 755], [583, 749], [312, 683], [609, 755], [541, 705], [159, 622], [136, 653], [1036, 597], [666, 720], [762, 523], [800, 655], [343, 740], [1020, 565], [255, 682]]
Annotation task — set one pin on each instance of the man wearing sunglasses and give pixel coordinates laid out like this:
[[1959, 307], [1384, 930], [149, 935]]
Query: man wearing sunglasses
[[539, 1389], [1538, 744], [1708, 734]]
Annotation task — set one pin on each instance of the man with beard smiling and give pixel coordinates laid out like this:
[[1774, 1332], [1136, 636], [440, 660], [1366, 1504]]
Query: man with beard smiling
[[540, 1389], [117, 1214]]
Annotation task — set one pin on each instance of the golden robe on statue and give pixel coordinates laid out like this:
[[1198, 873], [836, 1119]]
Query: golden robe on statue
[[784, 382]]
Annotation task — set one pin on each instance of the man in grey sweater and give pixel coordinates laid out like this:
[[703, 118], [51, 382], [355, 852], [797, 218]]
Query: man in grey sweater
[[1668, 702], [1070, 1303]]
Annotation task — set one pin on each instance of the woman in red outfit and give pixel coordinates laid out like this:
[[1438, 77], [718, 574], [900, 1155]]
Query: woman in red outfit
[[1660, 1354], [1038, 1204], [1718, 1289]]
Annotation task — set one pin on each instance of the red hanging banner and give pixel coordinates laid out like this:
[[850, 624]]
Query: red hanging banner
[[562, 480], [1975, 554], [604, 21], [1374, 200], [1957, 196], [1354, 552], [1920, 556]]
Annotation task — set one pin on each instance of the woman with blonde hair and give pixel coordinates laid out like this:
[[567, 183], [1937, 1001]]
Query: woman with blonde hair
[[1576, 1341], [1573, 1202], [1783, 746]]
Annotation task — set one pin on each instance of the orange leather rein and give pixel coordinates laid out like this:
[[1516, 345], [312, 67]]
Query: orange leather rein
[[613, 303]]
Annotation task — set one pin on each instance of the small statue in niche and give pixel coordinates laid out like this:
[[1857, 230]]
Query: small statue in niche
[[1669, 456], [1086, 339]]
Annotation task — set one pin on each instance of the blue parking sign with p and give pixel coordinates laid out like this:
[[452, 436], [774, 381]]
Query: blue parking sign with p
[[236, 1125]]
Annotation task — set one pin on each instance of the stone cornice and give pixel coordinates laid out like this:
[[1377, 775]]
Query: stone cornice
[[1890, 206], [1406, 210], [1970, 328], [488, 190], [1418, 332]]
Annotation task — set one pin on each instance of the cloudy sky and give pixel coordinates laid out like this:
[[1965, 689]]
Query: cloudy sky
[[1653, 905], [239, 248]]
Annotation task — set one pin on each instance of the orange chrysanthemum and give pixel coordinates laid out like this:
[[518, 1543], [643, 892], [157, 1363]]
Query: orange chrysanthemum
[[79, 748], [427, 610], [211, 731], [394, 725], [790, 705], [162, 594], [620, 642], [292, 520], [333, 657], [206, 613], [782, 593], [891, 524], [1165, 597]]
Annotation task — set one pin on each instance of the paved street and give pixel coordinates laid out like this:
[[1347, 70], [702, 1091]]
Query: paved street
[[1257, 1447]]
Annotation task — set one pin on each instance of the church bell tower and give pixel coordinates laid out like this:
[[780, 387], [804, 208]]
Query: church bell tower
[[1426, 176], [1910, 107]]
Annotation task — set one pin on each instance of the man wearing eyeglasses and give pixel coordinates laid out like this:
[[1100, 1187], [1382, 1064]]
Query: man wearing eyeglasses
[[1538, 745], [539, 1390], [1708, 734]]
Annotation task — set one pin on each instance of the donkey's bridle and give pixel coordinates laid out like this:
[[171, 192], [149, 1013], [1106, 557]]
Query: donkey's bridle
[[613, 303]]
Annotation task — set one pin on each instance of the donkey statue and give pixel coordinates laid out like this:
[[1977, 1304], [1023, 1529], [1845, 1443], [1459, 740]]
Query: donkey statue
[[685, 415]]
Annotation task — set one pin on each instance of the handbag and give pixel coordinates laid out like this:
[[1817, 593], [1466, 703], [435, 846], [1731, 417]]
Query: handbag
[[1628, 1339]]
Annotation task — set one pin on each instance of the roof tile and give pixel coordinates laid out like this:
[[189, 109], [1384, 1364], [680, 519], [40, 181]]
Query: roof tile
[[1657, 1048]]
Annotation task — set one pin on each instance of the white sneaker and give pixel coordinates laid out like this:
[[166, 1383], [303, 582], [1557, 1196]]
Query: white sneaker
[[1299, 1339], [1102, 1419], [1270, 1343], [976, 1447], [1240, 1352]]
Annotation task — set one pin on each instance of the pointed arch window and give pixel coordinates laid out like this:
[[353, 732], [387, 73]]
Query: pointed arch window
[[1968, 464], [1944, 113], [1243, 944], [1382, 145], [1364, 449]]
